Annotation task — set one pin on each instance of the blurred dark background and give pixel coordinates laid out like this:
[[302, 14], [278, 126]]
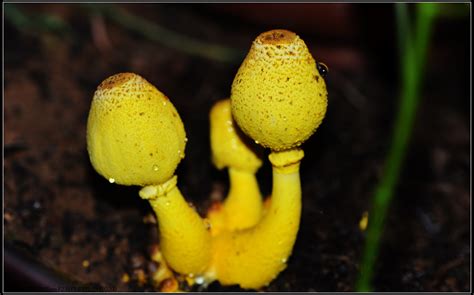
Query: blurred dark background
[[71, 220]]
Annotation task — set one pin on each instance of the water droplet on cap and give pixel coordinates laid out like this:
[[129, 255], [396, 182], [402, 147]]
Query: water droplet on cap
[[111, 180], [322, 69], [155, 167], [180, 154]]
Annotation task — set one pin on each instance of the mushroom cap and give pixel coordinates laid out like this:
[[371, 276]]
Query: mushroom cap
[[230, 147], [134, 134], [278, 97]]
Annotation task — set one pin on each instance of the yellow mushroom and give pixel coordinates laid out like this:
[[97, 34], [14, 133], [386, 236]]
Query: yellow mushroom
[[279, 99], [253, 257], [231, 149], [136, 137], [278, 96]]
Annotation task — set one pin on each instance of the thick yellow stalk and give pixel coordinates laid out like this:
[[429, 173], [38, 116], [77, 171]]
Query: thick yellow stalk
[[253, 257], [184, 236], [243, 206]]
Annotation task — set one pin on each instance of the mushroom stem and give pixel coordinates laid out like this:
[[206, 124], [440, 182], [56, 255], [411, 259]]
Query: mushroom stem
[[252, 258], [230, 148], [184, 236], [243, 205]]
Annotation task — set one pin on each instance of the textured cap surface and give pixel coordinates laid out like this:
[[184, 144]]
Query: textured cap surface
[[278, 97], [134, 134]]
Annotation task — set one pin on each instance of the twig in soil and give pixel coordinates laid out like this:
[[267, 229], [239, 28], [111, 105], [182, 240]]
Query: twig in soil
[[413, 51], [444, 271], [169, 38]]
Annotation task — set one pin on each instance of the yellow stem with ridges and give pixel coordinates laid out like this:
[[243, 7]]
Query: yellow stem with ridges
[[184, 236], [253, 257]]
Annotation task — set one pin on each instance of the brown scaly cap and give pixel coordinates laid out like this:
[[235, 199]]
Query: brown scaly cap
[[276, 37]]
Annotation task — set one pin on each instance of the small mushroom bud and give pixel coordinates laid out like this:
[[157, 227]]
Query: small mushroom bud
[[231, 148]]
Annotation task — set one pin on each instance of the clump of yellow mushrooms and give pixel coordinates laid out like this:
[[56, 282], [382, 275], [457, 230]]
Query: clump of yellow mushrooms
[[136, 137]]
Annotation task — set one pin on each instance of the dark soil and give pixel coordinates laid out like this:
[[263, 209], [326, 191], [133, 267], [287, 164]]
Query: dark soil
[[75, 221]]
